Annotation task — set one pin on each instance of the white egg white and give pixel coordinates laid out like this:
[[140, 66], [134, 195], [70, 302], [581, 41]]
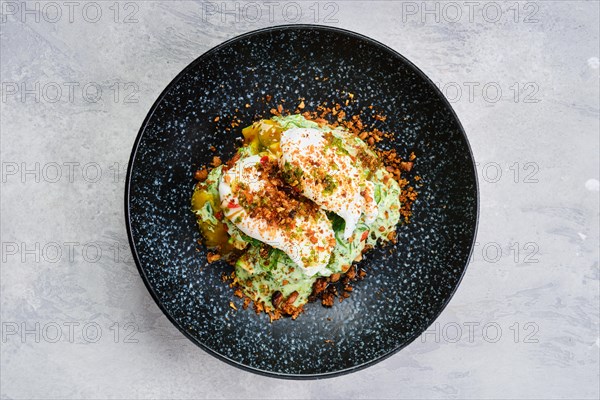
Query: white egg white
[[311, 257], [349, 196]]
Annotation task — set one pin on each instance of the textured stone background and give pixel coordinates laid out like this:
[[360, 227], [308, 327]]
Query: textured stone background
[[76, 85]]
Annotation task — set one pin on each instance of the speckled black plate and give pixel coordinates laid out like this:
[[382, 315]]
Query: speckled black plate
[[403, 292]]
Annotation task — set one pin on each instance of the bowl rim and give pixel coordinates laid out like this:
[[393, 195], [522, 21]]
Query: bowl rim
[[132, 158]]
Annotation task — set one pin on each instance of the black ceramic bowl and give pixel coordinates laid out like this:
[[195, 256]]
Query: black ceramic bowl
[[403, 292]]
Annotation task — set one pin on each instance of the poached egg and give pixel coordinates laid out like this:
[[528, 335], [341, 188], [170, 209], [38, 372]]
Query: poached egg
[[309, 243], [326, 173]]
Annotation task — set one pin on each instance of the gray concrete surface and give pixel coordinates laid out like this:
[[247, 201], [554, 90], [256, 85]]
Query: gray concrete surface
[[77, 80]]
